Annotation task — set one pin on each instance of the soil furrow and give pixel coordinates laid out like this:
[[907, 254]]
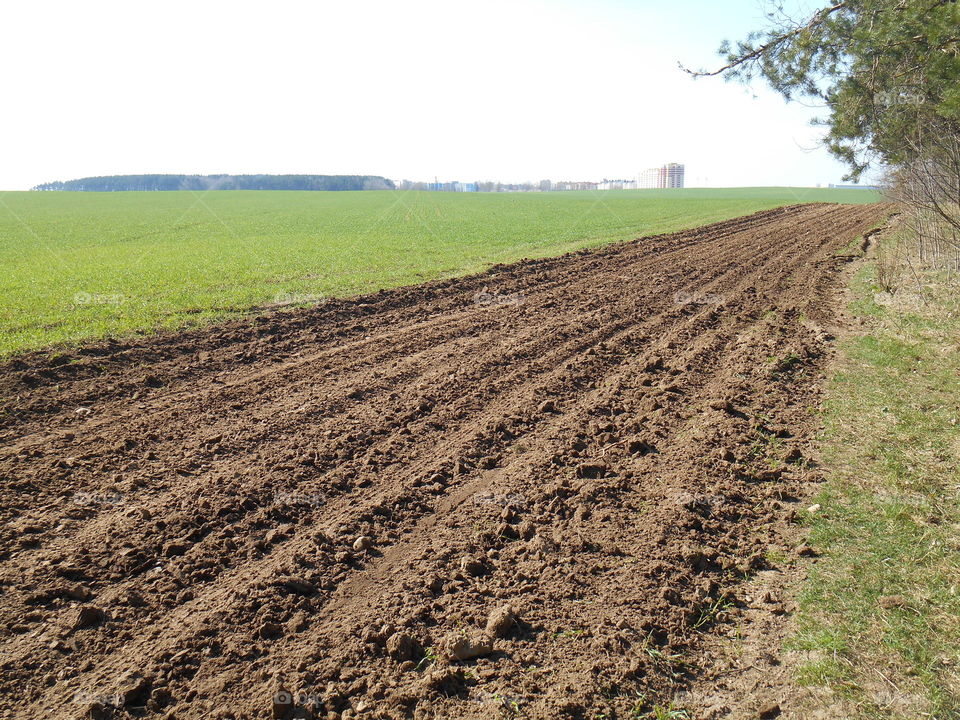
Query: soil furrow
[[332, 501]]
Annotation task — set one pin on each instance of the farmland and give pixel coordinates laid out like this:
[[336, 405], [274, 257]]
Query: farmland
[[79, 266], [554, 503]]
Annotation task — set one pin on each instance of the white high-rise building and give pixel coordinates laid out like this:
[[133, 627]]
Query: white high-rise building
[[668, 176]]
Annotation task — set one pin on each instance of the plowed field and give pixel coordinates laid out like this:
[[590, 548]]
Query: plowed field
[[529, 493]]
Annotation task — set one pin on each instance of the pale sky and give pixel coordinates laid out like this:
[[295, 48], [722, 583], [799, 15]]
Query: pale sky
[[509, 90]]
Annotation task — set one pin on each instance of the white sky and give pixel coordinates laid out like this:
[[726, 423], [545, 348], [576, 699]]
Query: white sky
[[508, 90]]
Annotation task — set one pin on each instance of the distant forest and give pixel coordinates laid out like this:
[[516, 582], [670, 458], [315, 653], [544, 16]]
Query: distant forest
[[119, 183]]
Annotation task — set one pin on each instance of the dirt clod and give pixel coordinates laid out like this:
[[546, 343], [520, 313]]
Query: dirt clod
[[473, 566], [99, 711], [500, 621], [88, 616], [135, 689], [175, 549], [270, 630], [769, 711], [297, 585], [889, 602], [463, 647], [400, 646], [446, 680], [591, 471]]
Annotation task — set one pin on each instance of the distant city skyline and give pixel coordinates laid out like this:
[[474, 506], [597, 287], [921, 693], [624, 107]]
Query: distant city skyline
[[669, 175]]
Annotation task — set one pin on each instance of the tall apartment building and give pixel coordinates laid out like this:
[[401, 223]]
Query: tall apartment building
[[651, 178], [675, 173], [668, 176]]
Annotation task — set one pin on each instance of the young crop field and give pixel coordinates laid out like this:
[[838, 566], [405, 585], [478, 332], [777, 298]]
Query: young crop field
[[86, 265]]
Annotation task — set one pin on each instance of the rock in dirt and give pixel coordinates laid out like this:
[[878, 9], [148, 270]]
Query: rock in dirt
[[547, 407], [159, 698], [769, 475], [654, 364], [362, 543], [275, 536], [489, 462], [695, 557], [438, 479], [462, 647], [75, 592], [500, 621], [670, 595]]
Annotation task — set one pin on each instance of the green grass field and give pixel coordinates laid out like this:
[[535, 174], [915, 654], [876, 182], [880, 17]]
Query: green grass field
[[879, 619], [78, 266]]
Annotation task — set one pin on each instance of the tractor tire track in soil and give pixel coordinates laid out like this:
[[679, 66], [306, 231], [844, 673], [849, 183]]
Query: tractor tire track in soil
[[528, 493]]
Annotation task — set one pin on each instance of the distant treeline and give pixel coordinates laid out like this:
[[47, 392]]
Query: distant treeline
[[120, 183]]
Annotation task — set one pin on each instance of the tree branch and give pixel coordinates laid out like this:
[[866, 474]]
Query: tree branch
[[818, 18]]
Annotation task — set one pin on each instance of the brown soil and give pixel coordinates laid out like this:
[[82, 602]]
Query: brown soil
[[538, 492]]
